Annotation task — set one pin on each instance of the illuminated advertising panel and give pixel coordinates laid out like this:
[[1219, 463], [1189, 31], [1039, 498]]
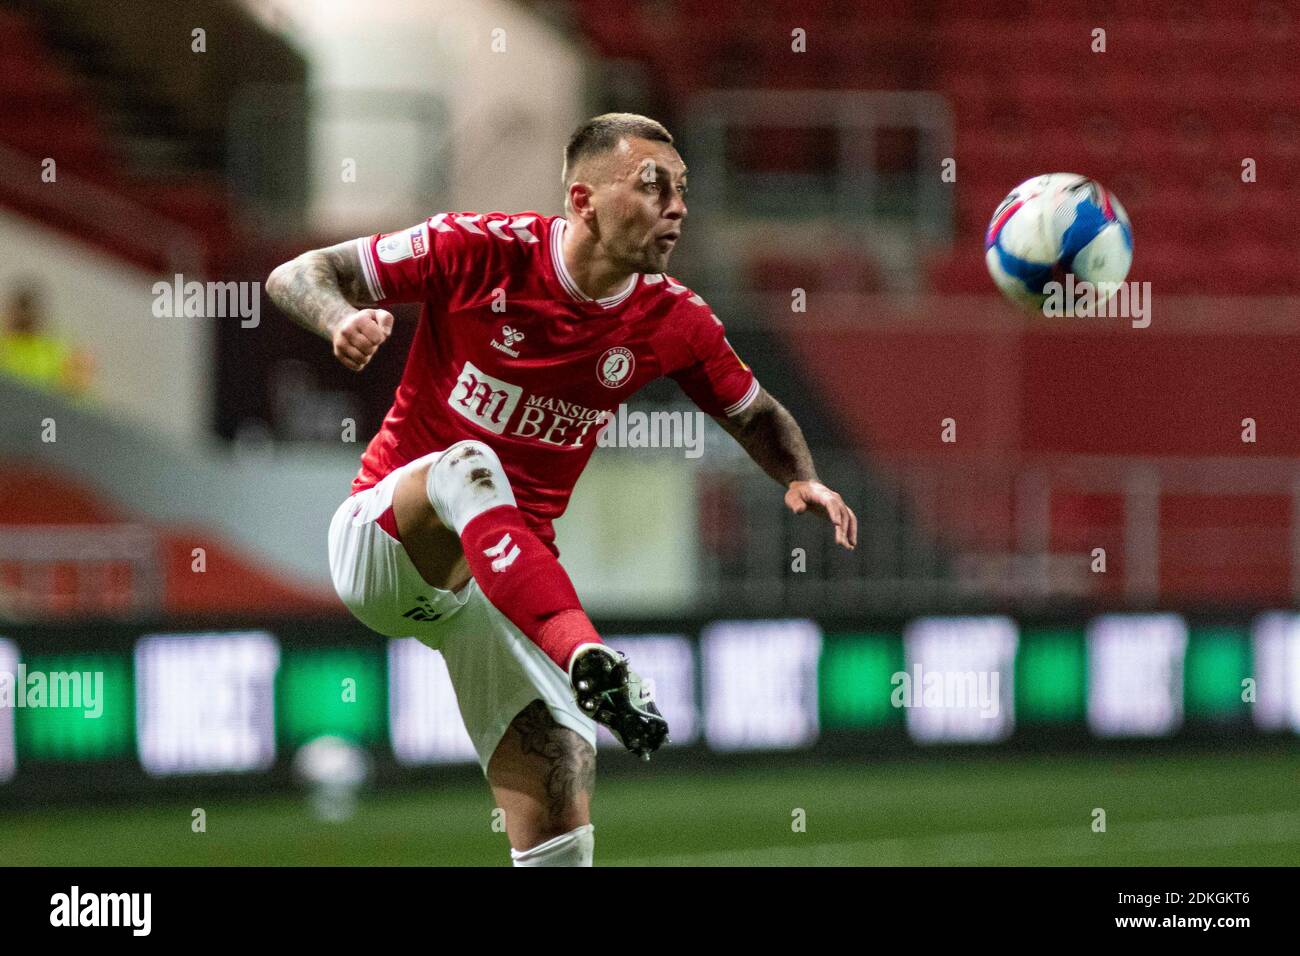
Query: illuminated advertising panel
[[1051, 675], [958, 684], [89, 714], [857, 671], [334, 692], [1135, 674], [760, 684], [205, 703], [424, 720], [1276, 645], [8, 679]]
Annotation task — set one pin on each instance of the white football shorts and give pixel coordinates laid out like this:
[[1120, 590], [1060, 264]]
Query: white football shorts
[[496, 671]]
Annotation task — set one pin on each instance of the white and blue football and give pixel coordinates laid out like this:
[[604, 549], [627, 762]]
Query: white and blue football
[[1054, 225]]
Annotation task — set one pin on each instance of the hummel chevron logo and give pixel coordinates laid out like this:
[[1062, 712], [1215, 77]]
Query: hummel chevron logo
[[495, 552], [520, 227], [511, 336]]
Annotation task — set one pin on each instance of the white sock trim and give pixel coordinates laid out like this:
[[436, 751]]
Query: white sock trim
[[574, 848]]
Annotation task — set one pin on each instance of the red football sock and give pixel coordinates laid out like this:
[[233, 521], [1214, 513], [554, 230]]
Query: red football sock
[[525, 582]]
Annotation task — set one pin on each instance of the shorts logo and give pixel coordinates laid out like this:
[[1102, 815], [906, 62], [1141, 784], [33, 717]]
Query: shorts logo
[[423, 611], [615, 366], [486, 401]]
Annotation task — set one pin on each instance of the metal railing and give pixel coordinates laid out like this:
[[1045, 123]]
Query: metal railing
[[52, 571], [980, 530], [854, 207], [854, 189], [957, 532]]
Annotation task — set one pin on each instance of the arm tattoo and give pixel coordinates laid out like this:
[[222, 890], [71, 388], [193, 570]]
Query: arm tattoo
[[772, 438], [320, 287], [570, 762]]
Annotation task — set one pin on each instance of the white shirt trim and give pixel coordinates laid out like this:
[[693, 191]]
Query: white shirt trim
[[735, 408], [369, 270], [566, 280]]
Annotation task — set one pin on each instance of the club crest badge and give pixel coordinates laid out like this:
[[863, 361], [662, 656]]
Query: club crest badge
[[615, 366]]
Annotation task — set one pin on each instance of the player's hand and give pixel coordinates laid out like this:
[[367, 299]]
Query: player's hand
[[815, 497], [358, 337]]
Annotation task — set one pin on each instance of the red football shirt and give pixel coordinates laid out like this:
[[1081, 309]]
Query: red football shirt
[[509, 351]]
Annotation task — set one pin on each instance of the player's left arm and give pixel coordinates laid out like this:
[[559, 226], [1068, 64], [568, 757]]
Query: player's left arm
[[772, 438]]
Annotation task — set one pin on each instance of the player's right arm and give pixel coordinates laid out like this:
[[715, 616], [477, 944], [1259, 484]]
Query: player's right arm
[[325, 292]]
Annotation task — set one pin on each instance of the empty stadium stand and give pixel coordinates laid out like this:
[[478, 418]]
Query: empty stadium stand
[[133, 118], [1140, 449], [1164, 116]]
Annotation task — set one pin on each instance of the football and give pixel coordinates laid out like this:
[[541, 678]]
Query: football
[[1052, 226]]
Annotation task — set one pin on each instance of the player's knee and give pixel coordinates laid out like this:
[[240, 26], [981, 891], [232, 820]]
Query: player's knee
[[550, 820], [465, 481]]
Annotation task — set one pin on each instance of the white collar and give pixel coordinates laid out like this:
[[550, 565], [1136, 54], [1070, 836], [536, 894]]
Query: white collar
[[566, 280]]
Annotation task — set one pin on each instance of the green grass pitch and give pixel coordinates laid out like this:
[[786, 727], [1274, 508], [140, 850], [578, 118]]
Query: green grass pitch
[[1160, 810]]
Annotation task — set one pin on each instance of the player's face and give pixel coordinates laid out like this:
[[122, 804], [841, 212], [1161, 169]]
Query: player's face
[[642, 209]]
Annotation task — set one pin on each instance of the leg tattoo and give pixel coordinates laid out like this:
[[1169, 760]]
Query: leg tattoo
[[570, 762]]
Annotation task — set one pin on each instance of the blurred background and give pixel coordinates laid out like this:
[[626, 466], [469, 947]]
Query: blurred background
[[1111, 542]]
